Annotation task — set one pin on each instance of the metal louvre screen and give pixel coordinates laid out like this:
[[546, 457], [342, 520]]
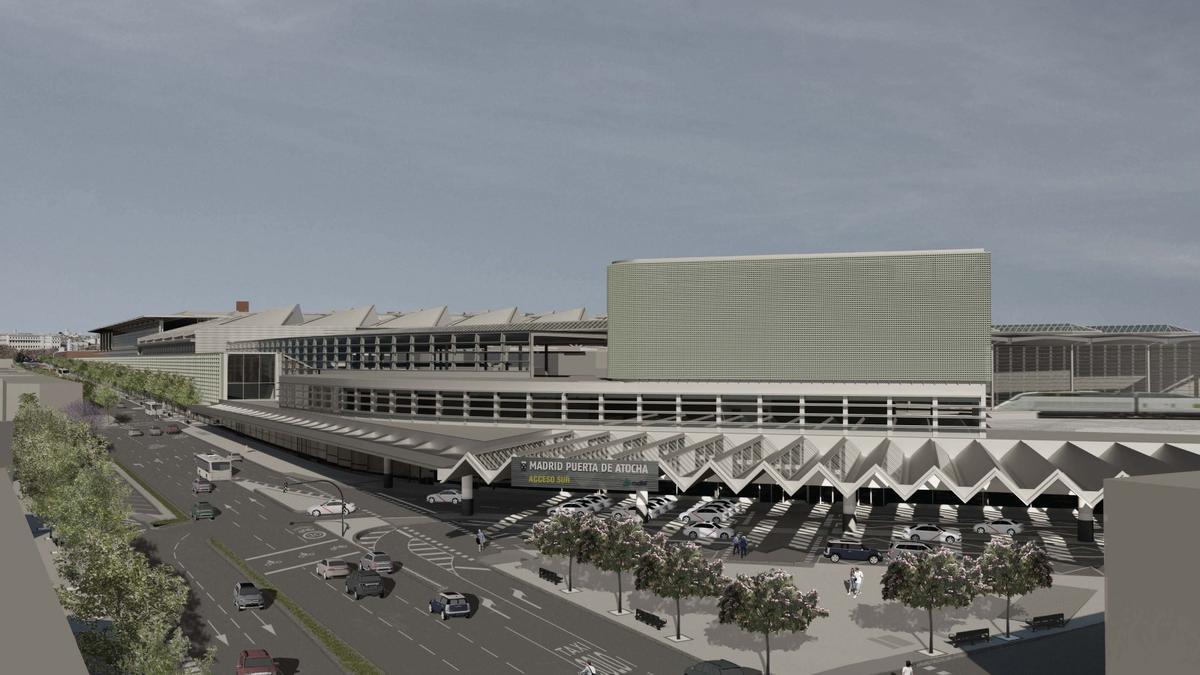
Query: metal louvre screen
[[904, 317]]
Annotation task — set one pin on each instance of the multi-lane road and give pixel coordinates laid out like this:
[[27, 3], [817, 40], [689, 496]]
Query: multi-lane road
[[515, 627]]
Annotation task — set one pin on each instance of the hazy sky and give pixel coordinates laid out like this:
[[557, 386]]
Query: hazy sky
[[159, 156]]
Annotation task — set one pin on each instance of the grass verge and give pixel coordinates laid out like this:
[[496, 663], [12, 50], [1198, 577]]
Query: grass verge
[[347, 656], [179, 517]]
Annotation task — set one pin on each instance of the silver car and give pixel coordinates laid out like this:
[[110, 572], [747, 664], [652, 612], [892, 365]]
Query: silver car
[[1000, 526], [707, 531], [445, 496], [572, 506], [930, 532], [706, 514]]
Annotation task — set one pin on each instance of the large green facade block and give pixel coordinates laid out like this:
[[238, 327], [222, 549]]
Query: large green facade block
[[876, 317]]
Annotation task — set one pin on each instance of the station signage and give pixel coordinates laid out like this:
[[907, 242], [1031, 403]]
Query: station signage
[[585, 474]]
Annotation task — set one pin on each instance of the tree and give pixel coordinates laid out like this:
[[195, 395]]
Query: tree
[[679, 571], [931, 581], [619, 547], [766, 603], [573, 535], [1009, 569], [104, 396]]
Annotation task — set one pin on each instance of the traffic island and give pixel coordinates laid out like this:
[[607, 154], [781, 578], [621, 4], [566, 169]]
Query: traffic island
[[170, 514], [348, 657]]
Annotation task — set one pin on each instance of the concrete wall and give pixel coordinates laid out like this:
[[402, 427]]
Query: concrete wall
[[51, 391], [888, 317], [1151, 616]]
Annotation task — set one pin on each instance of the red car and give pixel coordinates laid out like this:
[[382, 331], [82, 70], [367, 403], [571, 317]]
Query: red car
[[255, 662], [171, 429]]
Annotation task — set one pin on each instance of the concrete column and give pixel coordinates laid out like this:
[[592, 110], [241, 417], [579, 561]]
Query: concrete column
[[849, 502], [1086, 523], [387, 473], [641, 500], [468, 495]]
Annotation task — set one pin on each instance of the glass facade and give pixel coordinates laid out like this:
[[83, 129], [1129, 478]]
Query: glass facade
[[404, 351], [250, 376], [1106, 366]]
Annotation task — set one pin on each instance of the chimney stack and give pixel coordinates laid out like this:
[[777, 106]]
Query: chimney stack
[[242, 306]]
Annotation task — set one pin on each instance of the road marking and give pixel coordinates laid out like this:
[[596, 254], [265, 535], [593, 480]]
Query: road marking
[[541, 646], [428, 650], [385, 621], [490, 652], [261, 516], [513, 667], [491, 604], [287, 550], [475, 569], [222, 610], [236, 525], [363, 608], [210, 597], [450, 664], [520, 595], [404, 634], [466, 638], [235, 623]]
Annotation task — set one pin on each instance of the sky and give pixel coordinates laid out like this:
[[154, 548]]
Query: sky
[[162, 156]]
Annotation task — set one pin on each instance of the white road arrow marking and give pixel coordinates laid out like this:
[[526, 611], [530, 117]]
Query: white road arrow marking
[[490, 604], [219, 635], [255, 501], [139, 464], [520, 595], [266, 626], [232, 509]]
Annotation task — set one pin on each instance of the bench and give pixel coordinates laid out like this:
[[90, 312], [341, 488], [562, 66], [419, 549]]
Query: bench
[[549, 575], [649, 619], [1047, 621], [970, 636]]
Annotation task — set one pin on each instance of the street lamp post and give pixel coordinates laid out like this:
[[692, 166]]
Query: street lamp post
[[287, 484]]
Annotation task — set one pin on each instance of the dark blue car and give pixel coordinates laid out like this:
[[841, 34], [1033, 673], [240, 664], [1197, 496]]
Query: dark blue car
[[851, 550], [449, 603]]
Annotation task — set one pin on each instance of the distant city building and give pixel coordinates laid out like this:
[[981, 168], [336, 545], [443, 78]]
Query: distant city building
[[31, 341]]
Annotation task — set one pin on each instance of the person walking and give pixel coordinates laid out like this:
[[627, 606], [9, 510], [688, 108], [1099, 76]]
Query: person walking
[[907, 669], [858, 580], [850, 583], [480, 539], [743, 544]]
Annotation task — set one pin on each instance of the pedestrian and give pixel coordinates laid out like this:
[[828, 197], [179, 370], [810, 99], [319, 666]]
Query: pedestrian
[[588, 669], [744, 544], [850, 583], [858, 580], [907, 669], [480, 539]]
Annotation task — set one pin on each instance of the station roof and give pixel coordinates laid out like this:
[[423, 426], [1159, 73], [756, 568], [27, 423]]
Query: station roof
[[1102, 330], [137, 320]]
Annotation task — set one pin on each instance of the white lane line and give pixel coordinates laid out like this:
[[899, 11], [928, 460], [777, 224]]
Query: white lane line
[[235, 623], [364, 608], [236, 524], [404, 634], [311, 562], [466, 638], [450, 664], [513, 667], [261, 516], [385, 621], [198, 584], [475, 569], [542, 647], [223, 610], [210, 597], [289, 550], [428, 650], [493, 654]]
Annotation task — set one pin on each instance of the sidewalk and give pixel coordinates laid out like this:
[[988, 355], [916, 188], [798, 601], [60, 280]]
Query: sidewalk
[[275, 459], [858, 630]]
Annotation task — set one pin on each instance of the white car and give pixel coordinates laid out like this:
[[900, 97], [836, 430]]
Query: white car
[[733, 504], [601, 501], [445, 496], [706, 514], [929, 532], [707, 531], [331, 507], [1000, 526], [571, 507]]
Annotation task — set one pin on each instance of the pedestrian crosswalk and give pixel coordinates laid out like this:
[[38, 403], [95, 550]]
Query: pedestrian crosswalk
[[808, 533], [511, 520], [396, 501]]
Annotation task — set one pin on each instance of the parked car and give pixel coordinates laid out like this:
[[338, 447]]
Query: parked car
[[154, 431], [706, 514], [451, 496], [1001, 526], [448, 604], [255, 662], [331, 507], [736, 505], [718, 667], [603, 500], [707, 531], [660, 505], [203, 510], [136, 432], [914, 547], [573, 506], [851, 550], [930, 532], [333, 568], [376, 560], [201, 485], [171, 429], [360, 583], [234, 457], [246, 594]]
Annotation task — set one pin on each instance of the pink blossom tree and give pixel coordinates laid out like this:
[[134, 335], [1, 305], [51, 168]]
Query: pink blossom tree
[[570, 535], [1010, 569], [766, 603], [679, 571], [932, 581]]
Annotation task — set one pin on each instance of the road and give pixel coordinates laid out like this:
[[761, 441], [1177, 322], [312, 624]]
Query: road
[[515, 627]]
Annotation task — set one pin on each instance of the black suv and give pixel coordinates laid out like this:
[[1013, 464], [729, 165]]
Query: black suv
[[364, 582], [851, 550]]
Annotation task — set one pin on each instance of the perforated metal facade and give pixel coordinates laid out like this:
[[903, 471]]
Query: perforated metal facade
[[876, 317]]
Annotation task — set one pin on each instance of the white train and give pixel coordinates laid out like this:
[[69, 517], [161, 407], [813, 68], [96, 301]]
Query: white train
[[1103, 404]]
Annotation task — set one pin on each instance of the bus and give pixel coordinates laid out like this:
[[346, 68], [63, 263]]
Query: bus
[[213, 467], [153, 409]]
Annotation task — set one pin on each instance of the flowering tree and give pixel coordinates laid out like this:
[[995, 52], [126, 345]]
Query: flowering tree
[[766, 603], [1010, 569], [679, 571], [931, 581], [620, 546], [573, 535]]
